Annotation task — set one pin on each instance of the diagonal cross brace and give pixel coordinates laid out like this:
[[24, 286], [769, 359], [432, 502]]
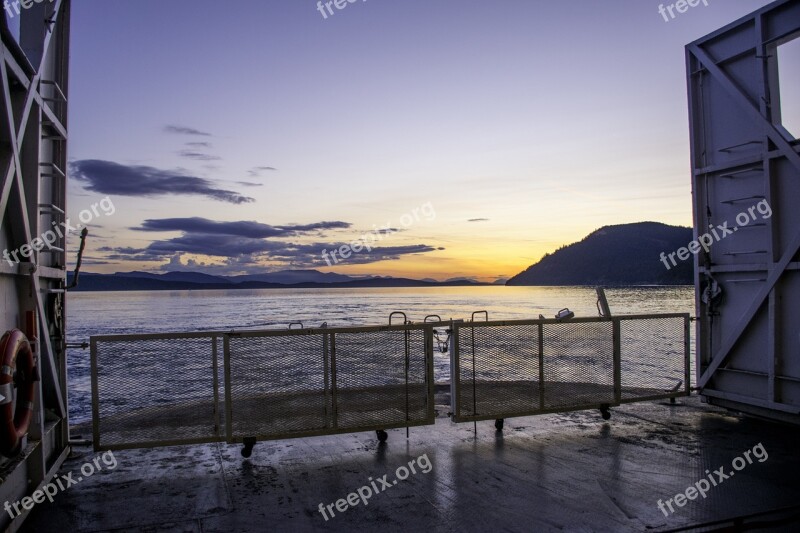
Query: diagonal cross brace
[[752, 111], [13, 177], [778, 268], [13, 171]]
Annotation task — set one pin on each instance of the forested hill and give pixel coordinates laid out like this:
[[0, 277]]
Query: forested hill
[[626, 254]]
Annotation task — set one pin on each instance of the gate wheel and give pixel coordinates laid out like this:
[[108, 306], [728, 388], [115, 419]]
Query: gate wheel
[[249, 443]]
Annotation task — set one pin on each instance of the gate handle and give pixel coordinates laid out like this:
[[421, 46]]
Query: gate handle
[[479, 313], [405, 318]]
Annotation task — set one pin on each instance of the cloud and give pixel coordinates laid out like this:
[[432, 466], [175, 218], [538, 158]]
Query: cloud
[[242, 228], [107, 177], [478, 220], [199, 144], [198, 156], [257, 171], [384, 253], [255, 251], [183, 130], [251, 246], [123, 250], [249, 184], [316, 226], [249, 229], [213, 245]]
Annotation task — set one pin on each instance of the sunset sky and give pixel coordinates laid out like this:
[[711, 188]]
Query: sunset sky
[[250, 135]]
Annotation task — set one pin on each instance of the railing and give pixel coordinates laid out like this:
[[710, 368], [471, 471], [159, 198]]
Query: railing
[[155, 390], [527, 367], [282, 384], [191, 388], [164, 390]]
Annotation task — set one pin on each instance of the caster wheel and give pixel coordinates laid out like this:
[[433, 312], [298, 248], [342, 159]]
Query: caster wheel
[[606, 414], [498, 424], [249, 444], [382, 435]]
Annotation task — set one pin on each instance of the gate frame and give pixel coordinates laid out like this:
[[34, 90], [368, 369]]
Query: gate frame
[[329, 343], [455, 365], [214, 337], [752, 39], [328, 336]]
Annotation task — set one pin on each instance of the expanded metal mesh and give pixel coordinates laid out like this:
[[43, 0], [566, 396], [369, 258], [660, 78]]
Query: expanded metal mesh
[[279, 385], [653, 357], [327, 381], [153, 390], [503, 375], [529, 367], [381, 379], [170, 389], [578, 364]]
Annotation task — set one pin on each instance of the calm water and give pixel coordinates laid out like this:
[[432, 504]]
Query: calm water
[[100, 313]]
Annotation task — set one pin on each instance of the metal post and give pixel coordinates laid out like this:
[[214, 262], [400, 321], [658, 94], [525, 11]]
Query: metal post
[[541, 366], [215, 366]]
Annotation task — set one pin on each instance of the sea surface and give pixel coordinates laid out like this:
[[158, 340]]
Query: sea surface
[[103, 313]]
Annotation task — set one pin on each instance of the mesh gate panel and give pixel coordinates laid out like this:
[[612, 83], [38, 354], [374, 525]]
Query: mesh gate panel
[[278, 385], [167, 389], [653, 357], [578, 364], [500, 374], [505, 370], [153, 391], [371, 385]]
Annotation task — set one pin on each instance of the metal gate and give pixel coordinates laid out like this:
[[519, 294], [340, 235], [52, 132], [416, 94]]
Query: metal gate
[[155, 390], [517, 368], [282, 384], [192, 388], [746, 185]]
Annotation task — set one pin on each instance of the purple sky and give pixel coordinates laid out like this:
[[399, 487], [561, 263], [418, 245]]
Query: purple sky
[[523, 125]]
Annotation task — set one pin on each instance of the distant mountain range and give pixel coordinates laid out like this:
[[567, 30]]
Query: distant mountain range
[[299, 279], [626, 254]]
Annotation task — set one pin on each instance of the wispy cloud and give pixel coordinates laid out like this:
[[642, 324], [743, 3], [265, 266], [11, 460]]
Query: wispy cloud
[[258, 171], [242, 228], [108, 177], [478, 220], [198, 156], [258, 251], [183, 130], [242, 243]]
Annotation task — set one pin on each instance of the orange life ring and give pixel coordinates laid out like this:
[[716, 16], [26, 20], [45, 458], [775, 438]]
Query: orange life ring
[[18, 368]]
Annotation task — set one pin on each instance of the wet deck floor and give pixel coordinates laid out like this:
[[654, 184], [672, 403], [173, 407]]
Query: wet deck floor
[[570, 472]]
